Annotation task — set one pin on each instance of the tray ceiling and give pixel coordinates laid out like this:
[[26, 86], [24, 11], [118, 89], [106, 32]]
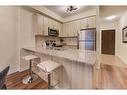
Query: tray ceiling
[[61, 10]]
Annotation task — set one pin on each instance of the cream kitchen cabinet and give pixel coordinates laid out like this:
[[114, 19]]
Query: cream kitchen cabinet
[[70, 29], [84, 23], [76, 28], [89, 22], [40, 24], [60, 29], [53, 24], [64, 33], [56, 25], [46, 25]]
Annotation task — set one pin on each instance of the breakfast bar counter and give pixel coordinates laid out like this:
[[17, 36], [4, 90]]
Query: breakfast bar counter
[[77, 71], [83, 56]]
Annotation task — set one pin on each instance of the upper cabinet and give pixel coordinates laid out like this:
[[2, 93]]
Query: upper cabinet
[[84, 23], [76, 27], [71, 29], [60, 28], [46, 25], [44, 22], [68, 29], [64, 32], [40, 24], [89, 22]]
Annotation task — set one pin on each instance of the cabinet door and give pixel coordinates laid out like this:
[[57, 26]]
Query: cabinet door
[[64, 30], [51, 23], [83, 23], [70, 29], [59, 25], [40, 24], [67, 30], [46, 25], [92, 22], [76, 27], [55, 24]]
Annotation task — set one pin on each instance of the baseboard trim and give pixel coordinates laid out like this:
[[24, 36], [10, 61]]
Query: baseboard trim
[[13, 71], [17, 70], [23, 69]]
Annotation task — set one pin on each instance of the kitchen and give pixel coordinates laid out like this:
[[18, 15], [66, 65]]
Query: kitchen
[[54, 47], [46, 34]]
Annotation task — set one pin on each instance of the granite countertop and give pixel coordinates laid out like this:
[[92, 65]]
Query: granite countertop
[[83, 56]]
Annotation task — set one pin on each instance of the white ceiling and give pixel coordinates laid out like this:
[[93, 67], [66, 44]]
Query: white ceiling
[[106, 11], [61, 10]]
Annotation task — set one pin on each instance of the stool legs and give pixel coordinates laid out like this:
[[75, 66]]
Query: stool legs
[[49, 83], [31, 77], [30, 71]]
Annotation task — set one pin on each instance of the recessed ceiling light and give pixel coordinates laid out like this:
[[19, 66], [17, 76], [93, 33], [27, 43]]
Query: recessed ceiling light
[[110, 17]]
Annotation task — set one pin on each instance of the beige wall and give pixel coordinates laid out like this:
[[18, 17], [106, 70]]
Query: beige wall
[[70, 41], [25, 34], [109, 25], [26, 28], [16, 31], [8, 42], [122, 47]]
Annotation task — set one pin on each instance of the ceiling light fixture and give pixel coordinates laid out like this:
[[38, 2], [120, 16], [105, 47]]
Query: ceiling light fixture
[[71, 8], [110, 17]]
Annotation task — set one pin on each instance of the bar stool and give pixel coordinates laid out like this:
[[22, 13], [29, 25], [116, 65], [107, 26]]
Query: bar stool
[[48, 67], [31, 77]]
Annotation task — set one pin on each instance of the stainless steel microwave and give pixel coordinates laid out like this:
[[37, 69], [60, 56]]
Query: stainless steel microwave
[[53, 32]]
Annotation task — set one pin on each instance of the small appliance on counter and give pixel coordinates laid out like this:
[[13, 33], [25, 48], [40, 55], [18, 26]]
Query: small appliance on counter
[[52, 43]]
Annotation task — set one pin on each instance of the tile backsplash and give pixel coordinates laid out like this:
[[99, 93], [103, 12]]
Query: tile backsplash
[[69, 41], [40, 40]]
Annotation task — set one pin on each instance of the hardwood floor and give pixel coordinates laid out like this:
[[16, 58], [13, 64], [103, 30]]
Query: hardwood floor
[[14, 81], [113, 73], [113, 77]]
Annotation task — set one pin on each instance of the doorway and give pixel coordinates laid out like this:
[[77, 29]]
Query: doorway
[[108, 42]]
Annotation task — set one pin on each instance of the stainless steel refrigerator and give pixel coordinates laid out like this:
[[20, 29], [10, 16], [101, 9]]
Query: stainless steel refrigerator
[[87, 39]]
